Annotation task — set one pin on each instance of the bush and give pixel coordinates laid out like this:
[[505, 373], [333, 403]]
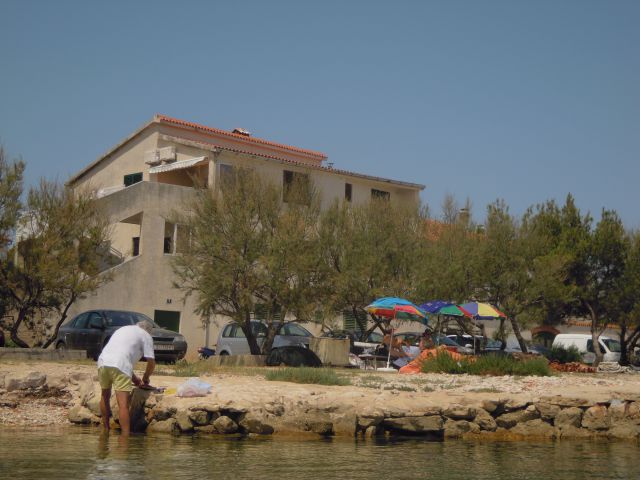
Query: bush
[[486, 365], [565, 355], [317, 376]]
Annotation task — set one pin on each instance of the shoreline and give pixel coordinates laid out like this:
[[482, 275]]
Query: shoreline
[[433, 406]]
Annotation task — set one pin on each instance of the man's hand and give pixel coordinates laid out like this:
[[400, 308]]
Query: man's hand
[[136, 381], [145, 379]]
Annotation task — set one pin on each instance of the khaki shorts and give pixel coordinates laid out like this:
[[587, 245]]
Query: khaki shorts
[[112, 377]]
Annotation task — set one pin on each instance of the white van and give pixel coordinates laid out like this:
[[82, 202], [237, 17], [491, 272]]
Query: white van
[[583, 342]]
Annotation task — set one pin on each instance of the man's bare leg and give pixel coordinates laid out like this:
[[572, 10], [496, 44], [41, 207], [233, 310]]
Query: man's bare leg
[[123, 411], [105, 408]]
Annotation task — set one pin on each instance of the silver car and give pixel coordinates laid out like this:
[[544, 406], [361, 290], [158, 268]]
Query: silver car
[[232, 340]]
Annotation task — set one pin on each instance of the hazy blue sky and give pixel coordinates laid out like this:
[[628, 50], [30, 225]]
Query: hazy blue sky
[[521, 100]]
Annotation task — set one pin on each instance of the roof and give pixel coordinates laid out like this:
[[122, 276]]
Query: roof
[[243, 137], [248, 140]]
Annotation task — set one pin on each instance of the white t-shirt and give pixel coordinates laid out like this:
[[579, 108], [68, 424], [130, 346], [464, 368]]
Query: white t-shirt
[[126, 347]]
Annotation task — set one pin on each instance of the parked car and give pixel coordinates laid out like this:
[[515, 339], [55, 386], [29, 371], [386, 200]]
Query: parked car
[[584, 343], [92, 330], [232, 340], [1, 338]]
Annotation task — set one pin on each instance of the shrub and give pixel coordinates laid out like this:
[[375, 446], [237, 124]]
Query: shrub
[[486, 365], [317, 376], [565, 355]]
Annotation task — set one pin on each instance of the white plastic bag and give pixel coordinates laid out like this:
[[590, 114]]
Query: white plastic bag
[[194, 387]]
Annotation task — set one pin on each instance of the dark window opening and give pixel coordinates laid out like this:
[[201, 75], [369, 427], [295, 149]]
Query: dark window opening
[[167, 245], [226, 175], [347, 192], [295, 187], [132, 178], [135, 250], [167, 319], [380, 194]]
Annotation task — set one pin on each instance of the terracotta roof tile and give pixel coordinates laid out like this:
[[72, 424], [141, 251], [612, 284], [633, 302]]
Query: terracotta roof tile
[[174, 121]]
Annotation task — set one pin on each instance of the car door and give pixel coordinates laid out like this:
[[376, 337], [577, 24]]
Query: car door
[[237, 342], [75, 330], [94, 336]]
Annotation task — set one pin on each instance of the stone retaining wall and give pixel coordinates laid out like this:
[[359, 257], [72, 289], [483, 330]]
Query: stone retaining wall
[[21, 354], [345, 414]]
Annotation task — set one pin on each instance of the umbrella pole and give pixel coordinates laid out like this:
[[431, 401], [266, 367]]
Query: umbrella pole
[[390, 346]]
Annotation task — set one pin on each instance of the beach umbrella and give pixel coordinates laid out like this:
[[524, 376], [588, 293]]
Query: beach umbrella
[[396, 309], [481, 311], [440, 307]]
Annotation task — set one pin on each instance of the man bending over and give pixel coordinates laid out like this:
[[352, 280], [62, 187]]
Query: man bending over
[[126, 346]]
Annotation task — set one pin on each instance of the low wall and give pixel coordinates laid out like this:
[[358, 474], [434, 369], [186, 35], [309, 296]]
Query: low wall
[[237, 360], [331, 351], [40, 354]]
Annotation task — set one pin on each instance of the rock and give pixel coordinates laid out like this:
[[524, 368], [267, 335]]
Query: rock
[[371, 432], [208, 429], [457, 428], [2, 375], [32, 380], [183, 421], [493, 406], [372, 419], [161, 413], [535, 428], [206, 407], [509, 420], [570, 431], [513, 405], [321, 428], [624, 431], [199, 417], [547, 411], [58, 382], [460, 412], [163, 426], [431, 424], [82, 415], [485, 421], [78, 378], [253, 423], [569, 417], [224, 424], [596, 418], [274, 408], [344, 424], [565, 402], [627, 412]]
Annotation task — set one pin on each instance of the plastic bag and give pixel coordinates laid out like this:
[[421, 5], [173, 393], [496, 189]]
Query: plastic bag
[[194, 387]]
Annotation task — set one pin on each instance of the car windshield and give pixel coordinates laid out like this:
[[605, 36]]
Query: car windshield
[[122, 319], [293, 330], [612, 345], [375, 337], [444, 340]]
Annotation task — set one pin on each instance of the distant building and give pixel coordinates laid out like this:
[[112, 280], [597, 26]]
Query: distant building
[[143, 179]]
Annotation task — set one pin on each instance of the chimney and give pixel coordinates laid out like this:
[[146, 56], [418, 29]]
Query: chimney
[[242, 131]]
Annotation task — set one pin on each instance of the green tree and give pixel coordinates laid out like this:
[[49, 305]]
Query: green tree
[[61, 248], [373, 250], [248, 248]]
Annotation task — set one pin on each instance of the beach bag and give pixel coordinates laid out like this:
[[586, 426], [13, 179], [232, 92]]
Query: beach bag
[[194, 387]]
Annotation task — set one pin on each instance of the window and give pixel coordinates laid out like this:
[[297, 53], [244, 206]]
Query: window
[[132, 178], [261, 313], [293, 330], [167, 319], [295, 187], [227, 330], [349, 321], [176, 238], [226, 175], [347, 192], [380, 194], [135, 247], [81, 321]]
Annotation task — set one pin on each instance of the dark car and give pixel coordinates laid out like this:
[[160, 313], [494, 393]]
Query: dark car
[[92, 330], [1, 338], [358, 345], [413, 338]]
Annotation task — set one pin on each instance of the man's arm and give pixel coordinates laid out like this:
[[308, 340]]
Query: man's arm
[[151, 365]]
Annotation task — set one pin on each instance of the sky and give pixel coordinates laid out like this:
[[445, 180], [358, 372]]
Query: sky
[[524, 101]]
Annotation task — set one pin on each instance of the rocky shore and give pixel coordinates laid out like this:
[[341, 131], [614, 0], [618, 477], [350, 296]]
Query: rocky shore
[[586, 406]]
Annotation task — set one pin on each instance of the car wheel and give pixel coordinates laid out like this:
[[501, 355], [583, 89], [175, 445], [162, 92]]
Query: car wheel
[[61, 346], [223, 354]]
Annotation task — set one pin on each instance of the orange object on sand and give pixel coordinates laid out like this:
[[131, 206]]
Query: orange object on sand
[[414, 365]]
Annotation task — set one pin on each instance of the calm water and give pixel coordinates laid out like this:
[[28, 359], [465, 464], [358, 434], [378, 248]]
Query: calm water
[[75, 453]]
